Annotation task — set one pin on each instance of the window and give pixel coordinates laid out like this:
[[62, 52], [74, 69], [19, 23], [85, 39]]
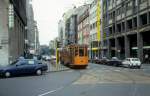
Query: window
[[135, 59], [123, 8], [142, 1], [85, 51], [129, 5], [90, 27], [119, 11], [81, 52], [30, 62], [76, 51], [11, 16]]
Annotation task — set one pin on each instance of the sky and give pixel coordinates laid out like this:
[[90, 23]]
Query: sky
[[47, 13]]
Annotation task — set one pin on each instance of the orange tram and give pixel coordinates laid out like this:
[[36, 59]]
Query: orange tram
[[74, 56]]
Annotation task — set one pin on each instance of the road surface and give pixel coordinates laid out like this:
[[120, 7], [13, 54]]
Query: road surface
[[96, 80]]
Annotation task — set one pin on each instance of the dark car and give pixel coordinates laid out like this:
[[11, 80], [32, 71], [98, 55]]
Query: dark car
[[104, 60], [114, 62], [24, 66]]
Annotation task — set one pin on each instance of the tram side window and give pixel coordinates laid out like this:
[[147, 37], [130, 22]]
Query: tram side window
[[81, 52], [85, 51], [76, 51]]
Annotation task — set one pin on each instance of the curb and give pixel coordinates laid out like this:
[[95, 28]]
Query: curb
[[57, 71]]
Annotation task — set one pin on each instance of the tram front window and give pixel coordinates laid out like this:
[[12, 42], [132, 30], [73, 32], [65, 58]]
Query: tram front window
[[81, 52]]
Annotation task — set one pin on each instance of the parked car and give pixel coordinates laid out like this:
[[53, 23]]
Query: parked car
[[47, 58], [132, 62], [23, 66], [104, 60], [114, 62], [97, 61]]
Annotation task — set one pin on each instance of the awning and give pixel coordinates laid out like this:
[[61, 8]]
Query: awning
[[146, 47], [94, 49]]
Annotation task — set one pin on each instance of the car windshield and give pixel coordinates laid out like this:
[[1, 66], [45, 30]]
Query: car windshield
[[114, 58], [15, 62], [135, 59]]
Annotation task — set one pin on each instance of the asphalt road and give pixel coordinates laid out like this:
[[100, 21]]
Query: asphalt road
[[100, 80], [96, 80], [37, 85]]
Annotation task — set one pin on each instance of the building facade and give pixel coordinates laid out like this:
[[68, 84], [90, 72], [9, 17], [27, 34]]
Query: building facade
[[52, 44], [83, 26], [12, 30], [32, 29], [126, 28], [61, 33], [95, 28], [70, 25]]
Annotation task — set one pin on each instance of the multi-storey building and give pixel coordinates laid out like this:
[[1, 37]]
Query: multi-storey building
[[37, 42], [12, 30], [61, 33], [52, 44], [95, 28], [70, 27], [126, 28], [32, 30], [83, 25]]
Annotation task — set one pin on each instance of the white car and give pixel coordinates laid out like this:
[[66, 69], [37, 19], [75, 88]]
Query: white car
[[47, 58], [132, 62]]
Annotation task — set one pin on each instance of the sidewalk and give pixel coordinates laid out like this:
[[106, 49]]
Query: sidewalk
[[56, 67], [146, 69], [145, 66]]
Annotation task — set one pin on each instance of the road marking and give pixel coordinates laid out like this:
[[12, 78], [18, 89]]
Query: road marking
[[49, 92]]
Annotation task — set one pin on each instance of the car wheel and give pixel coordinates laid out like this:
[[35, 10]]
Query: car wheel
[[131, 66], [39, 72], [138, 67], [7, 74], [115, 64]]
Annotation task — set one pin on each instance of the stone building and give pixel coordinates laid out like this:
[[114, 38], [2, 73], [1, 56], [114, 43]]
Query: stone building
[[126, 28], [12, 30]]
